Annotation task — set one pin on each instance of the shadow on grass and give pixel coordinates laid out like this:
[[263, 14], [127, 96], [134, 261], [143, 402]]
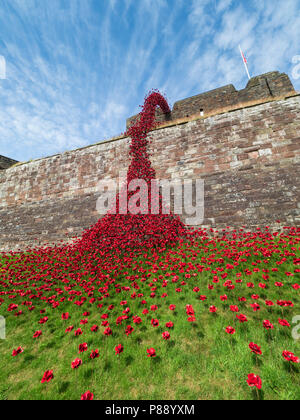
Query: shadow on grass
[[88, 373], [62, 387], [107, 366], [48, 345], [52, 329], [156, 360], [129, 360], [290, 367], [27, 360]]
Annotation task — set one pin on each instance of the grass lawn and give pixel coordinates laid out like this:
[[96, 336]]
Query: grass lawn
[[199, 360]]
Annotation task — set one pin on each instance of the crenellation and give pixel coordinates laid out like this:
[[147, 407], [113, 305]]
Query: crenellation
[[268, 85]]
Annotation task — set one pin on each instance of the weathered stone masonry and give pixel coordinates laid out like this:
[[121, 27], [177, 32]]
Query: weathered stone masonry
[[6, 162], [248, 157]]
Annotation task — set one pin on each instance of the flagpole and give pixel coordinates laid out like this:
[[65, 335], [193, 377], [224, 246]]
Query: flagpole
[[245, 62]]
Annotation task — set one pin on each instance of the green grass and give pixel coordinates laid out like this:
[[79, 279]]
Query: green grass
[[200, 361]]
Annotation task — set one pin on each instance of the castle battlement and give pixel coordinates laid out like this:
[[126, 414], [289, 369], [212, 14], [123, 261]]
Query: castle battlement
[[268, 85]]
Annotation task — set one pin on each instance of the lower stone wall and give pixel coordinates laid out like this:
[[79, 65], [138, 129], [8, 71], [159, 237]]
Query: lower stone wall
[[48, 221], [249, 160]]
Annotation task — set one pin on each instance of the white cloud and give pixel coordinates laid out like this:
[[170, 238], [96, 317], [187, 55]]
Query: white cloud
[[221, 5], [2, 67], [237, 27], [76, 72]]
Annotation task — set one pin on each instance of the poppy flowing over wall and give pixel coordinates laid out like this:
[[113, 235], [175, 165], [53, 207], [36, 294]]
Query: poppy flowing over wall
[[119, 231]]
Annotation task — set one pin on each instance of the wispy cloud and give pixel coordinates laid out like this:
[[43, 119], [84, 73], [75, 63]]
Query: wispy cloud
[[75, 70]]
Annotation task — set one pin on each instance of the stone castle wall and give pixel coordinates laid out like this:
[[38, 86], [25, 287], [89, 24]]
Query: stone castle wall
[[248, 157]]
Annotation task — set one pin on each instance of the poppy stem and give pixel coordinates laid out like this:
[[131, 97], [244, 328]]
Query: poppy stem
[[76, 379]]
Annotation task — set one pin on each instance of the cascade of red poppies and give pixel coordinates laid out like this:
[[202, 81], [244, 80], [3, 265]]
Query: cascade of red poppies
[[147, 228]]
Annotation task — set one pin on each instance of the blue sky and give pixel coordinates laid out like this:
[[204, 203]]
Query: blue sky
[[76, 69]]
